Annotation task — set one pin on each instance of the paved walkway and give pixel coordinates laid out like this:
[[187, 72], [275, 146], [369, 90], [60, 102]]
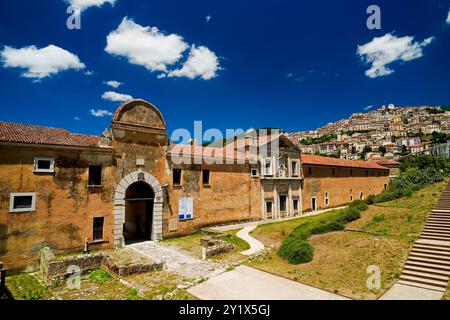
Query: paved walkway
[[177, 262], [255, 245], [245, 283]]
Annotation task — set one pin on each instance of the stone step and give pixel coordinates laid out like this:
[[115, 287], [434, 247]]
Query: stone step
[[430, 256], [441, 211], [425, 275], [436, 283], [426, 270], [438, 216], [425, 237], [429, 251], [429, 260], [421, 285], [435, 234], [438, 268], [437, 224], [435, 228], [436, 231], [431, 243]]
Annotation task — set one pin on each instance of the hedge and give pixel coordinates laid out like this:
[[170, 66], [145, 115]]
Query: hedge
[[295, 247]]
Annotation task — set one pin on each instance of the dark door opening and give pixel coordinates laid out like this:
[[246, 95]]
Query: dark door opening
[[138, 212], [313, 204]]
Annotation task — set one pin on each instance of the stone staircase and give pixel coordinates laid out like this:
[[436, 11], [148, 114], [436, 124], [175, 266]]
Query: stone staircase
[[428, 264]]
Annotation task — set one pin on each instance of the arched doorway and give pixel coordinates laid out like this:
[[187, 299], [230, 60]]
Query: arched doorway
[[139, 197], [120, 205]]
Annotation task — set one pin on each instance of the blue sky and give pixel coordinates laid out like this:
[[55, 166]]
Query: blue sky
[[288, 64]]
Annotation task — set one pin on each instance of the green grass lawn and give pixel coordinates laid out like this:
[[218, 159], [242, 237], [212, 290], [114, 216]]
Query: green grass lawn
[[341, 258]]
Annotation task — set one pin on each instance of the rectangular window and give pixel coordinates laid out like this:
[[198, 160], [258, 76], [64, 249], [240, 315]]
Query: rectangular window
[[282, 203], [309, 170], [327, 199], [294, 168], [351, 172], [205, 177], [22, 202], [268, 167], [44, 164], [295, 204], [254, 172], [98, 228], [95, 175], [176, 177], [333, 171], [268, 206]]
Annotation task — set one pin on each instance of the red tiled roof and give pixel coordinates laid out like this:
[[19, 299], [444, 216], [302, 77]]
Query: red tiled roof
[[334, 162], [207, 152], [387, 162], [27, 133]]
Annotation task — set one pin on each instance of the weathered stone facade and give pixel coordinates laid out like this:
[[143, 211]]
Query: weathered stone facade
[[139, 187]]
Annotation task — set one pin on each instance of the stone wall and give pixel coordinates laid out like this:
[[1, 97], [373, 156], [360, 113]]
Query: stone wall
[[340, 186], [65, 206]]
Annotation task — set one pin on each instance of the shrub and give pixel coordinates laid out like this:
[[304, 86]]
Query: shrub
[[350, 214], [378, 218], [358, 204], [296, 252], [293, 248], [327, 227]]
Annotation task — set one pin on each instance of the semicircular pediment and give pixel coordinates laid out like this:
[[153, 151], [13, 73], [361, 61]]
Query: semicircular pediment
[[140, 113]]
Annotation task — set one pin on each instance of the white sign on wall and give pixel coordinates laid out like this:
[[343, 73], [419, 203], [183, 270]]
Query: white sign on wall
[[185, 208]]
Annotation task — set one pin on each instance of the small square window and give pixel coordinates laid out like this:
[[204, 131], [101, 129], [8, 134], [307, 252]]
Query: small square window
[[254, 172], [176, 179], [205, 177], [95, 175], [22, 202], [44, 164], [98, 228]]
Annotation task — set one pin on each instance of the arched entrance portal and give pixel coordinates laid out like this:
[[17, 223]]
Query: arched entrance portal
[[139, 198], [138, 187]]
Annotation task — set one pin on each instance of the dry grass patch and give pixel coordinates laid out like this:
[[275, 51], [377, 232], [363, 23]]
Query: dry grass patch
[[341, 258], [340, 263]]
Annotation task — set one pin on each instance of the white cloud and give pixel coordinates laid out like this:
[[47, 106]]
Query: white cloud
[[208, 18], [100, 113], [85, 4], [384, 50], [201, 62], [40, 63], [114, 84], [115, 96], [368, 107], [89, 73], [145, 46], [76, 118], [448, 17]]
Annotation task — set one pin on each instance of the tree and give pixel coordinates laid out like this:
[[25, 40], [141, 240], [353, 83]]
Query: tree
[[382, 150]]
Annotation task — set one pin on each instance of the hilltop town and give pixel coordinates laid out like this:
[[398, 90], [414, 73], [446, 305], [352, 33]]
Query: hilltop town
[[390, 131]]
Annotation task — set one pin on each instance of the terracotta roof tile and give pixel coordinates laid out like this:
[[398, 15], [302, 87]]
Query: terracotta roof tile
[[387, 162], [209, 152], [334, 162], [26, 133]]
